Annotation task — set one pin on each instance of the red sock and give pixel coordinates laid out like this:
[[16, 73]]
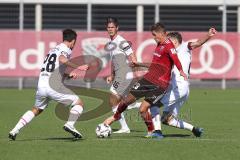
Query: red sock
[[121, 108], [148, 121]]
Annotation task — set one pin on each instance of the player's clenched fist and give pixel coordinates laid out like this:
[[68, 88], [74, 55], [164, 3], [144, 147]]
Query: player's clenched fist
[[212, 31]]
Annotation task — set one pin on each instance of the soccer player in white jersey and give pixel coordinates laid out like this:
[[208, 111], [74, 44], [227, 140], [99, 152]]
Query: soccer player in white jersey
[[122, 57], [57, 59], [178, 91]]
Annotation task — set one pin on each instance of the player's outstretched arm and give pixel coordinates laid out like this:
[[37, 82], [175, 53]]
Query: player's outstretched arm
[[73, 74], [132, 58], [64, 60], [135, 63], [211, 32], [145, 65]]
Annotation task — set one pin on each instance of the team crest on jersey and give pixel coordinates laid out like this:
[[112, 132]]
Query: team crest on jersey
[[136, 85], [161, 48], [173, 50]]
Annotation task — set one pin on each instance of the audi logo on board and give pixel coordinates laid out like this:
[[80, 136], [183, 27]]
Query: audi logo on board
[[206, 56]]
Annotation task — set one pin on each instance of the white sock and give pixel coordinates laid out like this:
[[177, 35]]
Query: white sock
[[157, 122], [122, 120], [180, 124], [134, 105], [74, 114], [24, 120]]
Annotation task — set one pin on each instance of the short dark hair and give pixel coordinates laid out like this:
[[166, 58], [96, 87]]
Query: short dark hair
[[69, 35], [176, 35], [112, 20], [158, 27]]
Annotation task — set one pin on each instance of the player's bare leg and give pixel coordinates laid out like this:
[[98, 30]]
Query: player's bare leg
[[148, 120], [74, 114], [114, 100], [24, 120], [121, 108], [146, 116]]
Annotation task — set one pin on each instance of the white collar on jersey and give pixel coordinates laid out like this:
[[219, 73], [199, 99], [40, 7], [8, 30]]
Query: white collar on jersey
[[114, 38], [65, 47]]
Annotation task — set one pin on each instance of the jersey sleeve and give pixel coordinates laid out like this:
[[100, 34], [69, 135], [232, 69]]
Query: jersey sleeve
[[174, 57], [64, 53], [126, 47]]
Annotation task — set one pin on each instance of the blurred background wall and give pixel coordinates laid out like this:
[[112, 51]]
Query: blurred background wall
[[135, 16]]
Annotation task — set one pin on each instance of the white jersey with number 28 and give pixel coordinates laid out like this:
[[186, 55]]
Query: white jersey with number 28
[[51, 63]]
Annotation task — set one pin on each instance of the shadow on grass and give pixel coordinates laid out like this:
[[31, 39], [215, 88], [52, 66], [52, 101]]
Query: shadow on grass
[[132, 130], [165, 136], [176, 135], [66, 139]]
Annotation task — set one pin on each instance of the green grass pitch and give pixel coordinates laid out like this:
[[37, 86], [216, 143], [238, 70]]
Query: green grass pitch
[[217, 111]]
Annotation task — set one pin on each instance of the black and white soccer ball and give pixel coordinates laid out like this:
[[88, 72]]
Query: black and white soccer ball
[[103, 131]]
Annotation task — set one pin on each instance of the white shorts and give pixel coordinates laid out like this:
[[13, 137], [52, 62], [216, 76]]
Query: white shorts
[[45, 94], [121, 86], [174, 98]]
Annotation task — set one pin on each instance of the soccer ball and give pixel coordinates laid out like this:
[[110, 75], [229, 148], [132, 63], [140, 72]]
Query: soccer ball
[[103, 131]]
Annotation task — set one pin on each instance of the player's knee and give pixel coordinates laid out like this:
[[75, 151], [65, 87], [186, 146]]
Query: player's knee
[[144, 107], [142, 110], [114, 100], [166, 118], [36, 111], [79, 102]]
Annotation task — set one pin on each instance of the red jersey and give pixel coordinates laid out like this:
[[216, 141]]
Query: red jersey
[[164, 57]]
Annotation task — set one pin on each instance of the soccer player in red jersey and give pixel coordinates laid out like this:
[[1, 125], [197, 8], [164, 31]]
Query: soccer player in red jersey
[[155, 82]]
